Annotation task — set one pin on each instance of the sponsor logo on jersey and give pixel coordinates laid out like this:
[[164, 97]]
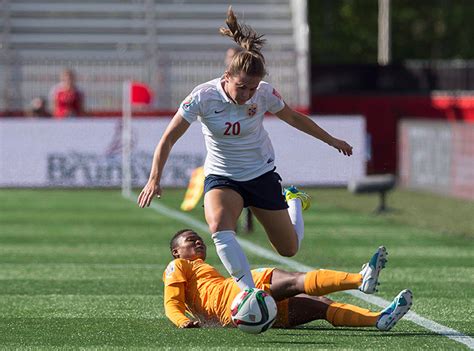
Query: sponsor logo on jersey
[[187, 103], [252, 110], [274, 92], [170, 269]]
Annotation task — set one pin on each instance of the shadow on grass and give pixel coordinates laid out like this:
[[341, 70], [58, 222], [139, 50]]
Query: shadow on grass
[[350, 331], [292, 342]]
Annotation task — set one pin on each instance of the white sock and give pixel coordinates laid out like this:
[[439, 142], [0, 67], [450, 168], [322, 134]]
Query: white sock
[[233, 258], [295, 210]]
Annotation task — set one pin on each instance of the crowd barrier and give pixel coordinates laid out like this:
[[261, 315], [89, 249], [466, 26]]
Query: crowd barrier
[[87, 152], [437, 156]]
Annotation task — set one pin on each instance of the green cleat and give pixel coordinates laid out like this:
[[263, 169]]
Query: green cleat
[[293, 193]]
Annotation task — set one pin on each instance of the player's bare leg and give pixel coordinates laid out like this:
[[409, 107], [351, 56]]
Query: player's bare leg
[[322, 282], [303, 309], [222, 208], [286, 284], [316, 283], [279, 229]]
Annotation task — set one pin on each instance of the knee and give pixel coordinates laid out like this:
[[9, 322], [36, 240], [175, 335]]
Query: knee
[[289, 251], [219, 220], [213, 227], [214, 222], [217, 226]]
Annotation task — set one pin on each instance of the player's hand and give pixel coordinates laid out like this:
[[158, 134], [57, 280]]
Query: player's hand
[[341, 146], [150, 190], [191, 324]]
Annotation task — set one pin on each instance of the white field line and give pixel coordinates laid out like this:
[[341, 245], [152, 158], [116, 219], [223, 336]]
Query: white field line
[[270, 255]]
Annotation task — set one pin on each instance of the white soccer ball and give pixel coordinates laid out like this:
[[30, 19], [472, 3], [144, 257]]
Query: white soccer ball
[[253, 311]]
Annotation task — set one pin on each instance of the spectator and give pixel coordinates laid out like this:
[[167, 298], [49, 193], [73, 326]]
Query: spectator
[[38, 108], [67, 99]]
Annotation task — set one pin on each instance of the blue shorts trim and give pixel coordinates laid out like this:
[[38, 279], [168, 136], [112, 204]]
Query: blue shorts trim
[[263, 192]]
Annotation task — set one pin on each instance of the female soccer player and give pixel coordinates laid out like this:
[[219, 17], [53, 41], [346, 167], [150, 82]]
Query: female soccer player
[[239, 167], [196, 294]]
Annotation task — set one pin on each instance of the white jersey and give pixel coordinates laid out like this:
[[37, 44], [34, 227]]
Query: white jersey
[[237, 145]]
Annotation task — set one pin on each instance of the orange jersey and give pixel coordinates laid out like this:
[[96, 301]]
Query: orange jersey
[[197, 288]]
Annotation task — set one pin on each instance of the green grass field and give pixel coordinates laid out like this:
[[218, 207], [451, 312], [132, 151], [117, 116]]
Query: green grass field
[[82, 269]]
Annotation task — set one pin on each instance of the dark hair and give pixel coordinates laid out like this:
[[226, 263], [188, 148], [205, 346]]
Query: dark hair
[[249, 60], [176, 236]]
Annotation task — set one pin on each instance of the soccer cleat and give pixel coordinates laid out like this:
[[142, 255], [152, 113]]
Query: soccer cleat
[[293, 193], [395, 311], [371, 270]]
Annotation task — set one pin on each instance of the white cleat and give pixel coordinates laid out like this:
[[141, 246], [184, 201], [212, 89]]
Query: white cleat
[[395, 311], [371, 270]]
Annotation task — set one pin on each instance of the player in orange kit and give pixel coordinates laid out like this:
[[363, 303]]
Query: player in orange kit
[[196, 294]]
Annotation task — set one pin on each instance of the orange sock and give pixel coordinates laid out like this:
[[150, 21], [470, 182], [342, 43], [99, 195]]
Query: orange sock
[[322, 282], [345, 315]]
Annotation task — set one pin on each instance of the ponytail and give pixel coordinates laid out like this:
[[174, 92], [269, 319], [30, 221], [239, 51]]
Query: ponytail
[[250, 60]]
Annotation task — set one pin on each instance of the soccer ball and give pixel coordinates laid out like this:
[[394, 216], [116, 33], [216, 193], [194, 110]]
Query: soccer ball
[[253, 311]]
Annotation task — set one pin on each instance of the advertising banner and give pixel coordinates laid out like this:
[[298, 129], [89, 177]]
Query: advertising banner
[[87, 152], [437, 156]]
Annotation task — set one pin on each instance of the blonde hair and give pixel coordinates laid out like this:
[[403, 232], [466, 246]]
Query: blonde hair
[[249, 60]]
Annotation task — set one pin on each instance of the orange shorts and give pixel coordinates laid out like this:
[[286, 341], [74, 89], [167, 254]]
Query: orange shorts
[[263, 278]]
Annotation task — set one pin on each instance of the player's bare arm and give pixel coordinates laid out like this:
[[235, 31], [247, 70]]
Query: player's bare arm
[[308, 126], [173, 132]]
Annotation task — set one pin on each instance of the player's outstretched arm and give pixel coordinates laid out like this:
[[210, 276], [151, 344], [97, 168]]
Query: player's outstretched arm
[[173, 132], [175, 307], [308, 126]]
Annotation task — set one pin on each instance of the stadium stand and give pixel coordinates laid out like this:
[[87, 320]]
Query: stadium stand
[[171, 45]]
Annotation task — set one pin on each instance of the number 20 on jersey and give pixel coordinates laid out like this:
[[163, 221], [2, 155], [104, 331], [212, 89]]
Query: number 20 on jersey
[[232, 128]]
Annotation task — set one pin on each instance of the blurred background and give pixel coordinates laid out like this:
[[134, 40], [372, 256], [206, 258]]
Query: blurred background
[[405, 68]]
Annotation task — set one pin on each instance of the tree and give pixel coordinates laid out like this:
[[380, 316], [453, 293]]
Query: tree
[[345, 31]]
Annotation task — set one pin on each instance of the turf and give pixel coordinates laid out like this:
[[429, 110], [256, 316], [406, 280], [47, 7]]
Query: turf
[[82, 269]]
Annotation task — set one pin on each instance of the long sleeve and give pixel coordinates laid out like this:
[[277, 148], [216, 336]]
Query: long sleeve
[[175, 307]]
